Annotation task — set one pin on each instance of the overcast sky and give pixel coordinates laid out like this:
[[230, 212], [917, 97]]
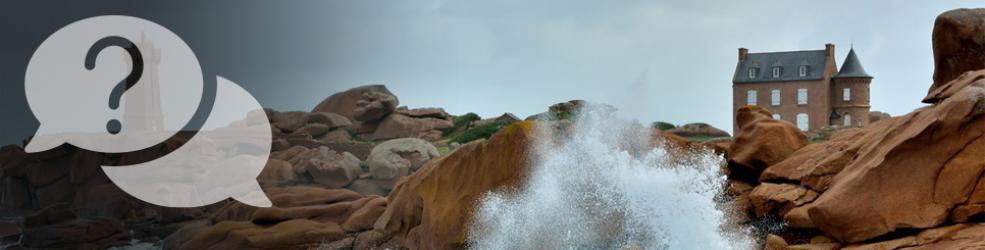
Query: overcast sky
[[655, 60]]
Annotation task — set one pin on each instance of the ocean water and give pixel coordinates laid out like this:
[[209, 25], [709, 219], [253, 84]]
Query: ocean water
[[603, 187]]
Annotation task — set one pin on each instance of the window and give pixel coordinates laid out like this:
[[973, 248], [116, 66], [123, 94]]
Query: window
[[751, 97], [776, 72], [846, 94], [752, 73], [803, 70], [801, 96], [802, 122], [776, 116], [848, 120], [775, 97]]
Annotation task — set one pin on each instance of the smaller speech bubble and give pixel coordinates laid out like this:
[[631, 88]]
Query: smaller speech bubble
[[221, 161]]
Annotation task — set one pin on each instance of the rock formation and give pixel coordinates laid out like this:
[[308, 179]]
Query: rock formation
[[369, 103], [959, 44], [430, 209], [760, 142], [301, 218], [912, 181]]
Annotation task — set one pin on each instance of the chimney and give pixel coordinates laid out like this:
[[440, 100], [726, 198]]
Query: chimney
[[742, 54], [829, 50]]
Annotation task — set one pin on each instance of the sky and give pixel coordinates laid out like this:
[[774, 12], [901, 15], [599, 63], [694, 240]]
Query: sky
[[654, 60]]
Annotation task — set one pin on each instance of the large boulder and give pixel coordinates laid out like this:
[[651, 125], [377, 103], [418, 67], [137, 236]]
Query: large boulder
[[959, 44], [334, 170], [425, 123], [760, 142], [289, 121], [396, 158], [365, 103], [332, 120], [276, 171], [320, 165], [908, 172], [374, 106], [431, 208]]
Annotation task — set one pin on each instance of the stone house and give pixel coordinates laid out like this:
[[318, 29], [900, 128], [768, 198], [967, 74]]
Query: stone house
[[803, 87]]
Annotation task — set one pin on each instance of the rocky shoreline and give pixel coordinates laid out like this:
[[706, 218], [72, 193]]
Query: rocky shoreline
[[361, 172]]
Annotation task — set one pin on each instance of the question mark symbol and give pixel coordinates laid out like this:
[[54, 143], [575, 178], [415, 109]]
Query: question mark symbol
[[114, 126]]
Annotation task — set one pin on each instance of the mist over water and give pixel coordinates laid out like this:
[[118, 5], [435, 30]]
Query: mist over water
[[603, 187]]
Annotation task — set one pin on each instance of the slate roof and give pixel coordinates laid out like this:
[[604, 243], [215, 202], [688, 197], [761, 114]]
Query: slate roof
[[852, 67], [790, 61]]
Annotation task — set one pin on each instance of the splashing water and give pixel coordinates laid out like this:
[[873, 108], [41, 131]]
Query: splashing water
[[603, 187]]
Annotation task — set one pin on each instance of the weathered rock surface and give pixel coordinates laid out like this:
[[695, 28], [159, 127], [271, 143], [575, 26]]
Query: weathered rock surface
[[399, 125], [319, 165], [332, 169], [276, 171], [875, 116], [301, 218], [815, 165], [374, 106], [948, 89], [760, 142], [57, 226], [779, 198], [959, 45], [908, 172], [430, 209], [371, 101], [959, 236], [396, 158], [332, 120]]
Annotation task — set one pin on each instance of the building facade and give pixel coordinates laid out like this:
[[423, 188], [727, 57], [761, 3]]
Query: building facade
[[805, 88]]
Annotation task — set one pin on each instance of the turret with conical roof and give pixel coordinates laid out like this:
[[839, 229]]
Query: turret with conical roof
[[850, 94], [852, 67]]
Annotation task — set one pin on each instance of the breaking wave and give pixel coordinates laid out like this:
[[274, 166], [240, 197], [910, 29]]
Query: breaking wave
[[601, 185]]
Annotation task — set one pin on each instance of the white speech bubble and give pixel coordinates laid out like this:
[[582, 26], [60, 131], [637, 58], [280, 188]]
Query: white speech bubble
[[69, 84], [221, 161], [71, 102]]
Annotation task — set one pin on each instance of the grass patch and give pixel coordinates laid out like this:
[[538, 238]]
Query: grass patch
[[663, 126], [563, 115], [460, 122], [703, 138], [479, 132], [444, 150]]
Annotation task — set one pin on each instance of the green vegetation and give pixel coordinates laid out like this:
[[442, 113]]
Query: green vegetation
[[824, 134], [699, 125], [444, 150], [563, 115], [460, 122], [479, 132], [364, 165], [663, 125]]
